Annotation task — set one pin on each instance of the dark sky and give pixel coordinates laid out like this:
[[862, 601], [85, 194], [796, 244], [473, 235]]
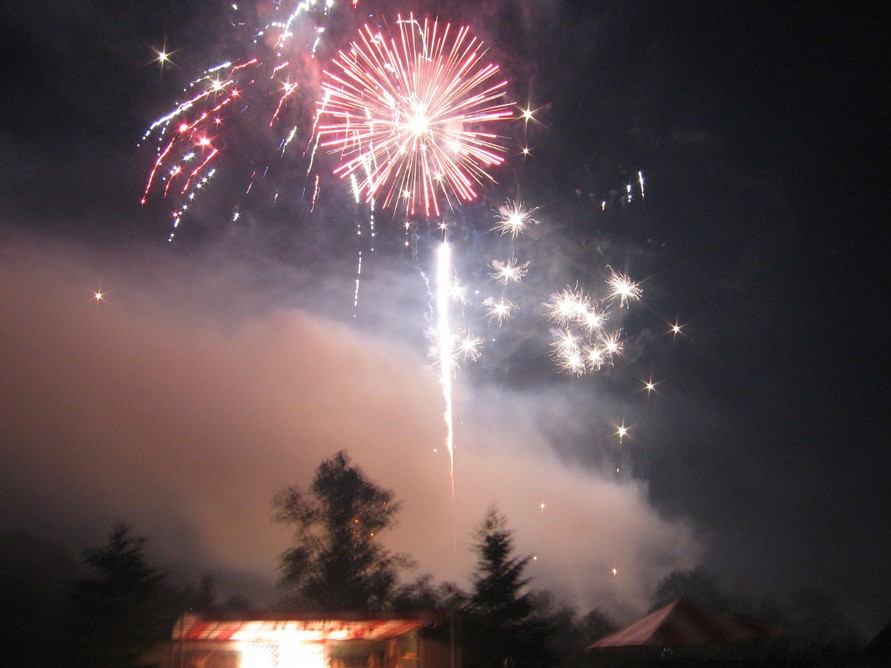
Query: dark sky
[[764, 455]]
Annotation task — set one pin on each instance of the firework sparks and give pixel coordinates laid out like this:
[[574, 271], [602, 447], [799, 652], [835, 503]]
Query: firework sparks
[[583, 344], [509, 271], [189, 137], [498, 310], [623, 288], [405, 111], [513, 219]]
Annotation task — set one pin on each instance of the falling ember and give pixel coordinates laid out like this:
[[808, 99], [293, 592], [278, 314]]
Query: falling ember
[[408, 110], [621, 431]]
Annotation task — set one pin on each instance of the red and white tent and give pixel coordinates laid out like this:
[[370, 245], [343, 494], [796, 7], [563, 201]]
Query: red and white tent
[[684, 623]]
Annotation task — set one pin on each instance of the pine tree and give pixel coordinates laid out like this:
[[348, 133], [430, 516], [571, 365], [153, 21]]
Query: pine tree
[[121, 609], [503, 626]]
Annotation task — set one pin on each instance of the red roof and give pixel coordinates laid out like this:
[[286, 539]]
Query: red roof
[[684, 623], [308, 628]]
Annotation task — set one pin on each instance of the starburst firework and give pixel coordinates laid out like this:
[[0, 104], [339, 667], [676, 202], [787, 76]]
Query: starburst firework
[[408, 113]]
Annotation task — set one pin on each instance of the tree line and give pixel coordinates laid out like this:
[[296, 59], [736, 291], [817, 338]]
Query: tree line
[[114, 606]]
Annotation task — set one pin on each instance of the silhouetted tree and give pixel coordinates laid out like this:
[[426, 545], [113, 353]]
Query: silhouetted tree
[[34, 606], [817, 628], [695, 585], [337, 562], [422, 594], [122, 609], [502, 625], [596, 625]]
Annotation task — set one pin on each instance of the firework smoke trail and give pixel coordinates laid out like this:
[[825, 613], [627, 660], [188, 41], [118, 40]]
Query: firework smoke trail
[[406, 110], [445, 345]]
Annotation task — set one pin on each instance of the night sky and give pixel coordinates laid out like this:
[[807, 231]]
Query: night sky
[[226, 365]]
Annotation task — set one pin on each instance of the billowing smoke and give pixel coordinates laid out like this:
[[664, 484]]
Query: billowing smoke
[[185, 398]]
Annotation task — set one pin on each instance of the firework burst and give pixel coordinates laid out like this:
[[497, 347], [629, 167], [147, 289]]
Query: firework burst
[[227, 104], [582, 343], [409, 114]]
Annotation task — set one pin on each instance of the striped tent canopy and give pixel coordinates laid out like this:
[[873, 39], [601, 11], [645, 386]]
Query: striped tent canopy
[[684, 623]]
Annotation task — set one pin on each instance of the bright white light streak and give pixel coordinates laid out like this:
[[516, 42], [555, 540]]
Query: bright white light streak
[[444, 339]]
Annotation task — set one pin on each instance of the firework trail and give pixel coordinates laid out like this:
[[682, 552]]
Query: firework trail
[[232, 97], [445, 345]]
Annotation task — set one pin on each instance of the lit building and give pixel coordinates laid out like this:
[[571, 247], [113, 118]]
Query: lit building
[[319, 640]]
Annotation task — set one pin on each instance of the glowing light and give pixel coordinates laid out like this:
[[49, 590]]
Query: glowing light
[[163, 58], [513, 219], [444, 337], [407, 111], [499, 311], [468, 346], [623, 288], [621, 431], [509, 271], [98, 296]]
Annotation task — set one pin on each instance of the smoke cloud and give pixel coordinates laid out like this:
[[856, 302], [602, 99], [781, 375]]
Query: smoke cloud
[[185, 398]]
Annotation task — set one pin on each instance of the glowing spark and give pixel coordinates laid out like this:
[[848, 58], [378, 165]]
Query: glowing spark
[[513, 219], [611, 343], [163, 58], [458, 292], [499, 311], [98, 296], [615, 571], [621, 431], [468, 346], [623, 288], [408, 108], [568, 306], [509, 271]]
